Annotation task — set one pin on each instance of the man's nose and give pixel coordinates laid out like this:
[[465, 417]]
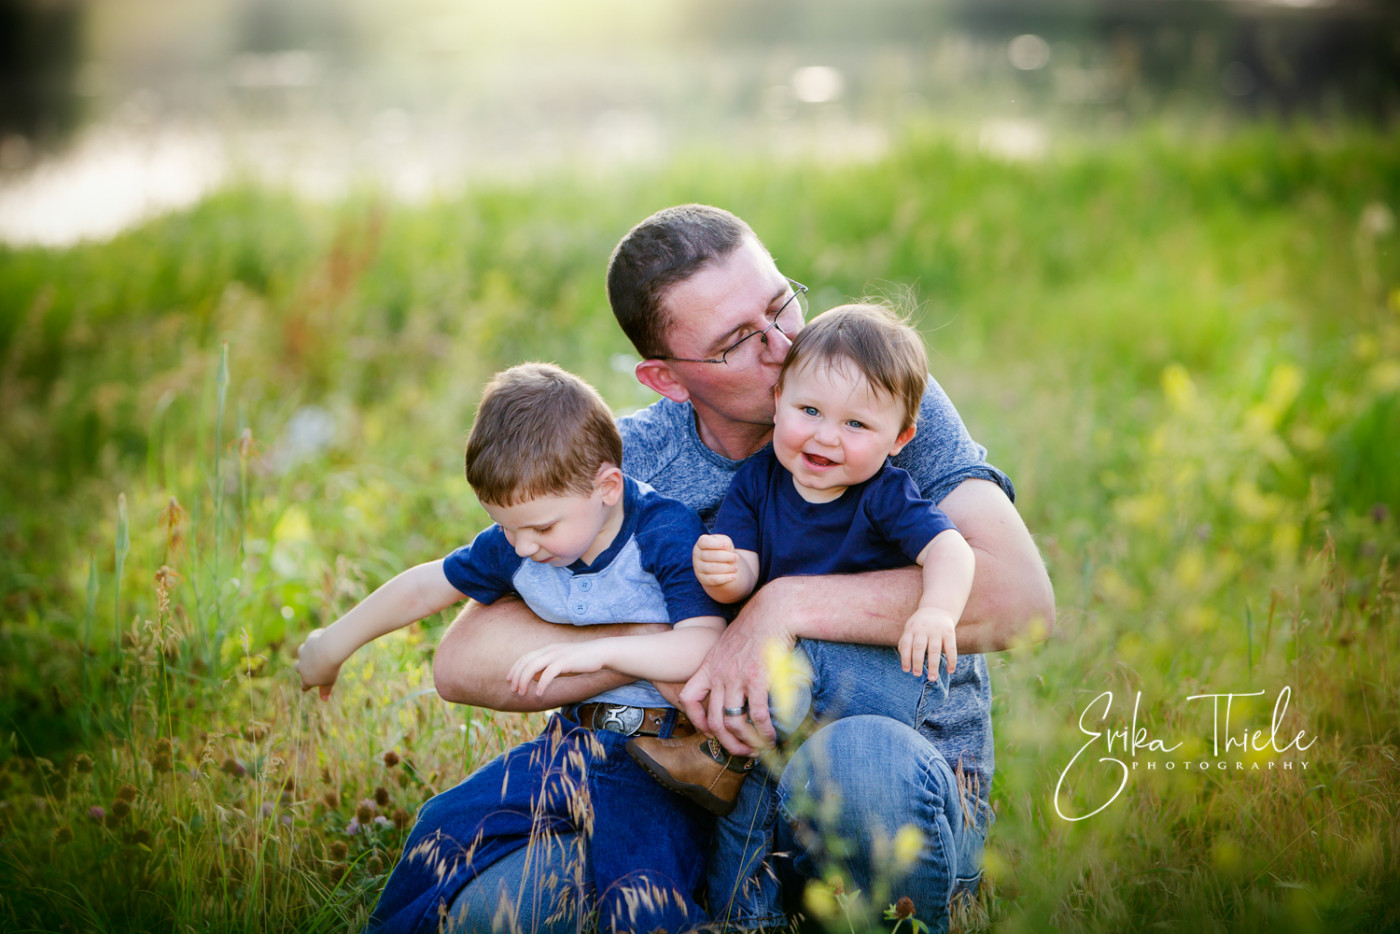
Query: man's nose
[[776, 344]]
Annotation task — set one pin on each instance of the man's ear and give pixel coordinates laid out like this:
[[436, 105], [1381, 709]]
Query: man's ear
[[658, 376], [608, 481], [903, 438]]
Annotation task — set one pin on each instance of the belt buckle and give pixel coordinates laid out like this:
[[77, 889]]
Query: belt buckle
[[620, 718]]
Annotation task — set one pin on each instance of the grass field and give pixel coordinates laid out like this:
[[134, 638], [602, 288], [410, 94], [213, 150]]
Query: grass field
[[223, 428]]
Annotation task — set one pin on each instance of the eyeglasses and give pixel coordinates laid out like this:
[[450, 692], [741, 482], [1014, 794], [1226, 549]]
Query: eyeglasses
[[741, 354]]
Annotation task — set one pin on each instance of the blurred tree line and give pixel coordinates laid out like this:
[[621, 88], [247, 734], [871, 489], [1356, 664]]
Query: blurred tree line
[[1261, 58]]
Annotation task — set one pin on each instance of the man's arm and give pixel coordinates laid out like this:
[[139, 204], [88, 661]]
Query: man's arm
[[1011, 603], [477, 651]]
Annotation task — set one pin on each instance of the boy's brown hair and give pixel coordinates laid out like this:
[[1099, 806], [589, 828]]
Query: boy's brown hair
[[884, 348], [539, 431]]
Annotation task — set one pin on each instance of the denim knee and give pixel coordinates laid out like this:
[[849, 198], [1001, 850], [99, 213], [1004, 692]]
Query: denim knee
[[871, 797], [851, 680], [537, 889]]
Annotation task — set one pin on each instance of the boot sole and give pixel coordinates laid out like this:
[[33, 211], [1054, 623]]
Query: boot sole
[[696, 793]]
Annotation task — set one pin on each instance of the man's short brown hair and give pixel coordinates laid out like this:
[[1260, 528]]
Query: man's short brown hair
[[666, 248], [884, 348], [539, 431]]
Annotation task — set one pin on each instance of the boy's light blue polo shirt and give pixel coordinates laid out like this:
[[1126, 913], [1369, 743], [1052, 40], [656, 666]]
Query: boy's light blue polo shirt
[[644, 576]]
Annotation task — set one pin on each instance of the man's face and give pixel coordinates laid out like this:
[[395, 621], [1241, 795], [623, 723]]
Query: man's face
[[712, 310]]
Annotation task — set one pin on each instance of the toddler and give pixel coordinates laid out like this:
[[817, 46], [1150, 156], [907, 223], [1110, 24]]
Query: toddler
[[824, 499]]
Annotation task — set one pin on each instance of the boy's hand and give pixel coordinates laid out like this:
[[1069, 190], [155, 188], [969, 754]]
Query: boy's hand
[[316, 664], [716, 560], [559, 658], [927, 633]]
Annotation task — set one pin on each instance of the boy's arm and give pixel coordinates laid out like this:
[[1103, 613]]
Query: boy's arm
[[948, 565], [673, 655], [416, 593]]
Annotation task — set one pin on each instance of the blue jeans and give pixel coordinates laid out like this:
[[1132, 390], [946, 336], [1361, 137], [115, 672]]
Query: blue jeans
[[885, 774], [534, 889], [643, 846]]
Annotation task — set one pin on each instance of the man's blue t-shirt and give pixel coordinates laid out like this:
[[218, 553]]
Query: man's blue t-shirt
[[644, 576], [880, 524]]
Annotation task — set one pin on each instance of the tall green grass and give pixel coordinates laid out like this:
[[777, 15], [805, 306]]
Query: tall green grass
[[1183, 351]]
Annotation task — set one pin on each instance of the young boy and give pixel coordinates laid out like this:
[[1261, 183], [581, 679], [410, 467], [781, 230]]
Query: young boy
[[825, 500], [583, 544]]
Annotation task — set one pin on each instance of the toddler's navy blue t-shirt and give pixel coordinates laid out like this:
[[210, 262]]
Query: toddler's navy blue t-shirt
[[880, 524]]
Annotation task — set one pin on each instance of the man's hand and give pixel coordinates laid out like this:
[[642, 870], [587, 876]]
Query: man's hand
[[734, 675], [927, 633], [561, 658], [716, 561], [318, 663]]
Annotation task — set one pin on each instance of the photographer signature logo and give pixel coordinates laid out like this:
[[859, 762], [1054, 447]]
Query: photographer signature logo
[[1126, 743]]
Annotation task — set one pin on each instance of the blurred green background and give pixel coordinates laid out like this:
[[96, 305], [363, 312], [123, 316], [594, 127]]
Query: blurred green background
[[259, 258]]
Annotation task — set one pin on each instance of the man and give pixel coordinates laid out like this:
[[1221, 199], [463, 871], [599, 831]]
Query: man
[[710, 314]]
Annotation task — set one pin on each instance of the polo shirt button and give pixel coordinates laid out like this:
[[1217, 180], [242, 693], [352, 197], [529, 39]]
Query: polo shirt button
[[585, 585], [580, 608]]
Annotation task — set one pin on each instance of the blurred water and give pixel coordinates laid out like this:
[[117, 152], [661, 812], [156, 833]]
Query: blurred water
[[107, 181], [321, 96], [290, 119]]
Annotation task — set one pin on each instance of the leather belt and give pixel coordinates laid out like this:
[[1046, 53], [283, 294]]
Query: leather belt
[[629, 721]]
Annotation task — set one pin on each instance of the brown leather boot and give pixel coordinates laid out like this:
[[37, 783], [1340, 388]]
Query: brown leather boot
[[695, 766]]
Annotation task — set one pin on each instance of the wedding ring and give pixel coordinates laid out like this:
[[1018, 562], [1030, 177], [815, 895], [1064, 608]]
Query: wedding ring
[[736, 711]]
